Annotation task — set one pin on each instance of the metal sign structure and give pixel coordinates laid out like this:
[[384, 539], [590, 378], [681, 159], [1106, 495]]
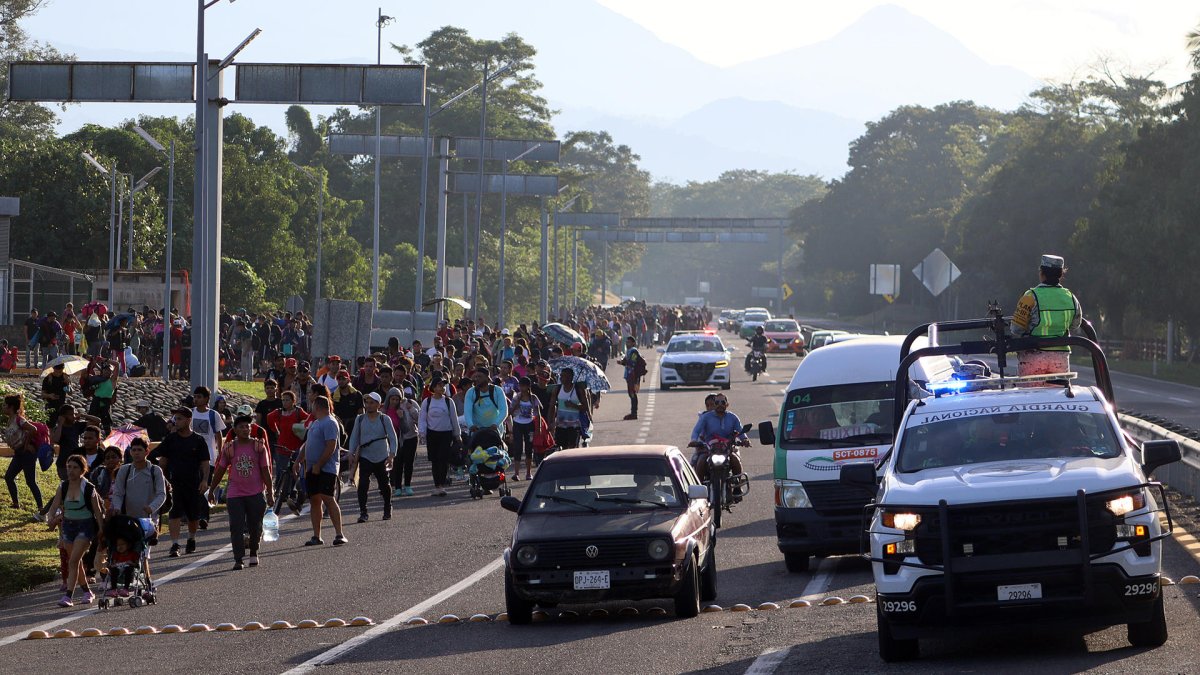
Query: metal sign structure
[[885, 280], [364, 144], [81, 82], [588, 219], [508, 149], [531, 185], [936, 272], [730, 224], [651, 237]]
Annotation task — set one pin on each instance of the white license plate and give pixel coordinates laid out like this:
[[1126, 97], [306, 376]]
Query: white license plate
[[1019, 592], [589, 581]]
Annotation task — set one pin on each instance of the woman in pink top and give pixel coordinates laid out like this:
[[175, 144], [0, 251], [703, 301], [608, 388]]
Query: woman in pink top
[[248, 463]]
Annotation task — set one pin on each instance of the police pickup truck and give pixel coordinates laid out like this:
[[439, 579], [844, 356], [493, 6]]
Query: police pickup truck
[[1012, 500]]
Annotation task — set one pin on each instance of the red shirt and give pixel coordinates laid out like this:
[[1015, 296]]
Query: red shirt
[[281, 423]]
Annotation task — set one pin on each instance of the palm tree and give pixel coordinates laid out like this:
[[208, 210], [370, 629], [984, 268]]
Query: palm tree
[[1193, 45]]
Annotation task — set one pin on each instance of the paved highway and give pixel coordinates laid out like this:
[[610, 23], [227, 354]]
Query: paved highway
[[439, 557]]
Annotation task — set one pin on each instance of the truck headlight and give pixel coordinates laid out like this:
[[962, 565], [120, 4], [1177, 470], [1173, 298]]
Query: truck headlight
[[659, 549], [527, 555], [901, 521], [722, 364], [791, 494], [1124, 504]]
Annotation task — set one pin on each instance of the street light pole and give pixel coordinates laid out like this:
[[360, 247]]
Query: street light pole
[[479, 197], [379, 24], [166, 318]]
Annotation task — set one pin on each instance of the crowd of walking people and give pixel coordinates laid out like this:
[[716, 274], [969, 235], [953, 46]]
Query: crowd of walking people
[[326, 423]]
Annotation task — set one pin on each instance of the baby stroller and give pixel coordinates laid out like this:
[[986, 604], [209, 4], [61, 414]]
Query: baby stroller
[[128, 578], [488, 461]]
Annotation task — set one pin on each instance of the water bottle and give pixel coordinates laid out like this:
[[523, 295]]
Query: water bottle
[[270, 526]]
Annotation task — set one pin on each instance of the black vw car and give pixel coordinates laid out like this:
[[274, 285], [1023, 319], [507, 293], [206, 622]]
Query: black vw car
[[611, 523]]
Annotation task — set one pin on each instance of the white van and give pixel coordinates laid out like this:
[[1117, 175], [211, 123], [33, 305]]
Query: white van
[[837, 410]]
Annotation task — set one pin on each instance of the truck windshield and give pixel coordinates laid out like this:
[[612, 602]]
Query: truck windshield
[[995, 433], [838, 416]]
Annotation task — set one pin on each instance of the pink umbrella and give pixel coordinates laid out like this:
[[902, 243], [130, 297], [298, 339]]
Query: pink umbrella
[[121, 437]]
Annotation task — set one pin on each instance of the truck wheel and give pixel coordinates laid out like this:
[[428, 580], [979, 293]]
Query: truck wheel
[[1152, 633], [520, 610], [708, 577], [891, 649], [797, 563], [687, 600]]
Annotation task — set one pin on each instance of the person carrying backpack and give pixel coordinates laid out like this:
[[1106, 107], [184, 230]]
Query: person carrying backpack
[[485, 406], [570, 410], [635, 370], [437, 424], [23, 437], [80, 521]]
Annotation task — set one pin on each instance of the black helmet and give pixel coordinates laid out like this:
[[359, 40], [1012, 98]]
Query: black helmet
[[758, 329]]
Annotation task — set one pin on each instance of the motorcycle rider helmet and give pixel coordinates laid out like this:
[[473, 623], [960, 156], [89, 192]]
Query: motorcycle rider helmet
[[758, 330]]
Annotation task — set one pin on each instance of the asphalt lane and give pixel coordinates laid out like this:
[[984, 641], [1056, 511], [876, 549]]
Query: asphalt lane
[[432, 545]]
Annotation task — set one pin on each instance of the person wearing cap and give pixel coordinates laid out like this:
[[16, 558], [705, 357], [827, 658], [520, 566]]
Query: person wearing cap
[[373, 447], [526, 408], [347, 401], [635, 370], [1047, 310], [328, 373], [54, 390], [302, 384], [48, 337], [152, 422], [257, 431]]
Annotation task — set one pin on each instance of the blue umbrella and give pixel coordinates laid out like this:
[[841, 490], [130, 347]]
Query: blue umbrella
[[563, 334]]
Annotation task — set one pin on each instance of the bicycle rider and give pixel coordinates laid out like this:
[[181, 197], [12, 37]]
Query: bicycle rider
[[718, 423]]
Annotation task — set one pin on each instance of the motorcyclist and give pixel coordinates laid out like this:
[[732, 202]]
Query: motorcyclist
[[758, 343], [718, 423]]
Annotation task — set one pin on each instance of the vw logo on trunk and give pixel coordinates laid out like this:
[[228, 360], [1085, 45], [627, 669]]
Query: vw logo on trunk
[[592, 551]]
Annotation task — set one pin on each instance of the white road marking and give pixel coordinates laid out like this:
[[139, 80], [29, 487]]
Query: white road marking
[[1179, 400], [768, 661], [1135, 390], [822, 578], [357, 641]]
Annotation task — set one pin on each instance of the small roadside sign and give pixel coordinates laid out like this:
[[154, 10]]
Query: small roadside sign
[[787, 291]]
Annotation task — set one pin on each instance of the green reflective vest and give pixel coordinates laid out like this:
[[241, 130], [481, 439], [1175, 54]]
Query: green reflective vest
[[1056, 311]]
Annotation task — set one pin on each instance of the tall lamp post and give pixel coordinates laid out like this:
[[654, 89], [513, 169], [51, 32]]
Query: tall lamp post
[[166, 364], [504, 226], [382, 21], [111, 175], [320, 181]]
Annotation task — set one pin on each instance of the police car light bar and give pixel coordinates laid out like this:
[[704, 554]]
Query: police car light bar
[[939, 389]]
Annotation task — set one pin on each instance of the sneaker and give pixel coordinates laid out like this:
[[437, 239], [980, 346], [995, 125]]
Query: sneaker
[[203, 525], [112, 593], [630, 416], [237, 565], [439, 492], [516, 476], [408, 491], [65, 601], [362, 519], [252, 561], [528, 476], [174, 553], [123, 593], [39, 517], [398, 492], [191, 545], [387, 515], [340, 540], [315, 541], [87, 598]]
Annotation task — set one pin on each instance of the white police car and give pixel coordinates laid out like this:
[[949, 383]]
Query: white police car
[[693, 359], [1006, 500]]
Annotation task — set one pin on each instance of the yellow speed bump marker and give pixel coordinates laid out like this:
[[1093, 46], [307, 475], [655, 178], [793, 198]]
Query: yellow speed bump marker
[[833, 600], [797, 604], [37, 635], [539, 615], [1190, 579], [361, 621], [227, 627], [449, 618], [307, 623], [199, 628], [502, 616], [768, 606], [859, 599], [145, 630], [740, 607], [1166, 581], [629, 611], [172, 628], [598, 613], [417, 621], [656, 611], [91, 632], [708, 609], [65, 633], [116, 630], [479, 618], [568, 614], [254, 625], [281, 625], [335, 623]]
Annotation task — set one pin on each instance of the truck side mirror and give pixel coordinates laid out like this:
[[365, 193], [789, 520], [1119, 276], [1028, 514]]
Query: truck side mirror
[[766, 433], [1159, 453], [510, 504], [860, 475]]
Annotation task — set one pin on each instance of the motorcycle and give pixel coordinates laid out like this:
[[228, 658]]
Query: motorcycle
[[725, 489], [757, 363]]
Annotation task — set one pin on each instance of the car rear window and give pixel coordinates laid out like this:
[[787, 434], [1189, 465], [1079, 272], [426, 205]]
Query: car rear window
[[610, 485], [782, 326]]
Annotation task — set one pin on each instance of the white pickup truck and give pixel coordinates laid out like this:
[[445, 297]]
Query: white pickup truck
[[1009, 500]]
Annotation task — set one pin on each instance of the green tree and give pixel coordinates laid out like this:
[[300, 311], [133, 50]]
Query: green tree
[[24, 120], [241, 286]]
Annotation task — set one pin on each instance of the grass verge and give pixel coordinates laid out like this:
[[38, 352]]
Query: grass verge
[[1181, 373], [251, 389], [28, 551]]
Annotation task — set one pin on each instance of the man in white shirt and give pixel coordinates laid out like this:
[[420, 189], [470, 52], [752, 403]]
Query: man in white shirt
[[208, 424]]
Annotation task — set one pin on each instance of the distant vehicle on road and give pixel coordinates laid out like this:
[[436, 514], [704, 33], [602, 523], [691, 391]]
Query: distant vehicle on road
[[607, 523], [821, 337], [783, 337], [752, 319], [692, 359]]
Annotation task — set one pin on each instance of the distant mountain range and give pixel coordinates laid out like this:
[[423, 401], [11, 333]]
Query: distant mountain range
[[794, 111]]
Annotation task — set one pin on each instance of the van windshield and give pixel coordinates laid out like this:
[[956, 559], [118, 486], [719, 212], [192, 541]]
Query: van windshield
[[843, 415], [995, 433]]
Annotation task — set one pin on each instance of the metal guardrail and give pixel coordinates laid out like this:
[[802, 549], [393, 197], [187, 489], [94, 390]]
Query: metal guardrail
[[1183, 476]]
